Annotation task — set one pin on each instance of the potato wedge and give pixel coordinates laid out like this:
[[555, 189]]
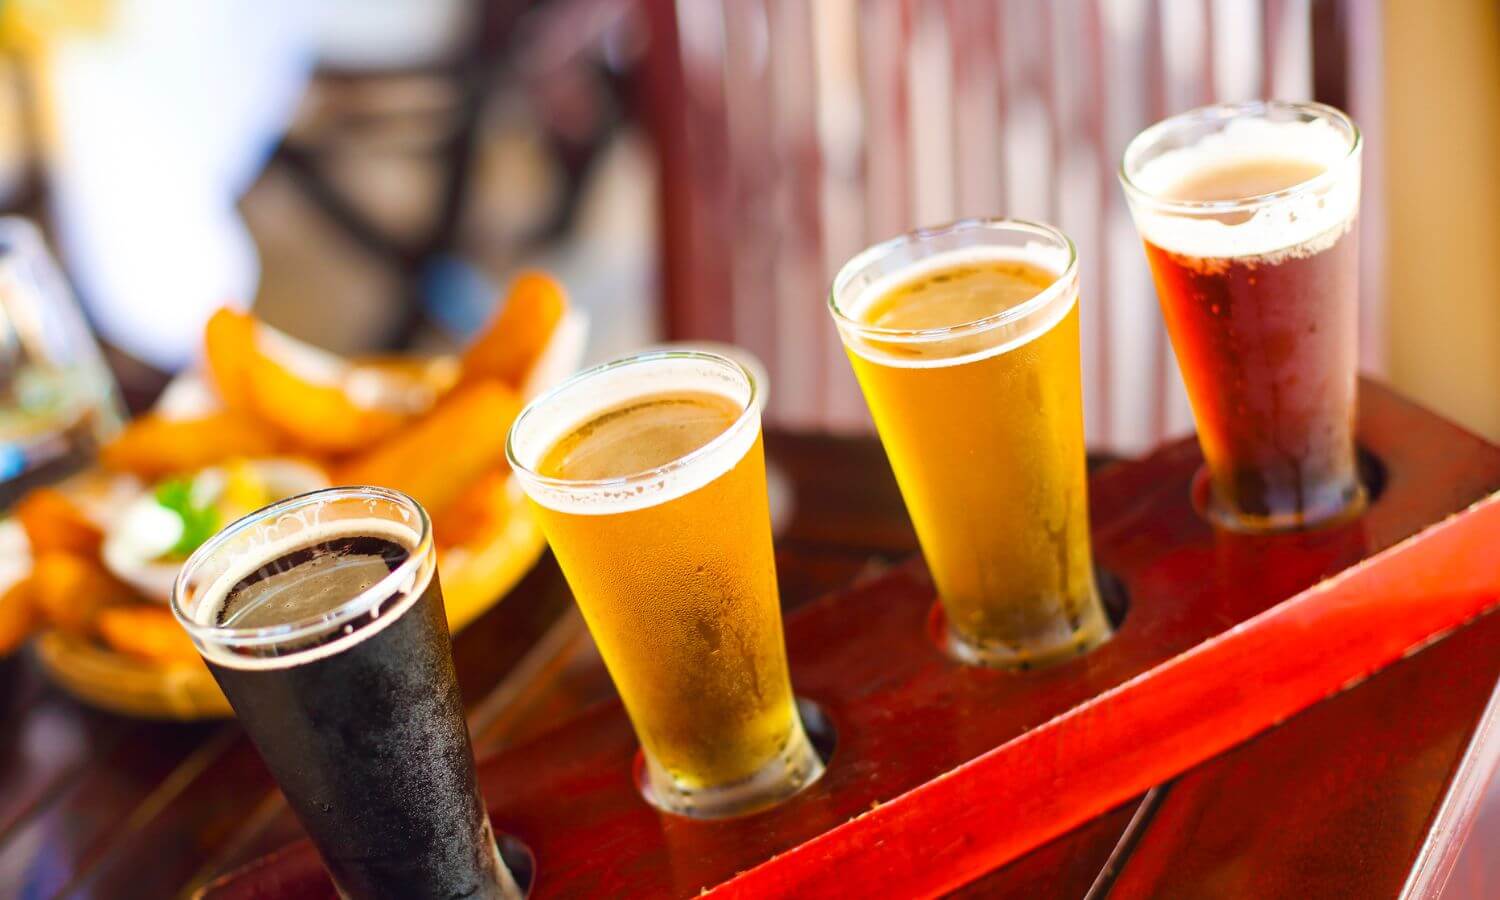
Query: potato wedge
[[439, 374], [53, 522], [18, 616], [482, 509], [323, 403], [490, 562], [518, 334], [440, 456], [152, 445], [146, 632], [229, 345], [70, 590]]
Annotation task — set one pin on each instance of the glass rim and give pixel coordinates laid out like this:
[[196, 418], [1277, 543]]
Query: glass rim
[[917, 236], [1223, 112], [529, 473], [359, 604]]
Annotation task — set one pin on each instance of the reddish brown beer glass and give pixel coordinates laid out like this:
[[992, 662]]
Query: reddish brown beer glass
[[1248, 216]]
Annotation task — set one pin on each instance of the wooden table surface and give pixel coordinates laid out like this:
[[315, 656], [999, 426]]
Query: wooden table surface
[[1335, 802]]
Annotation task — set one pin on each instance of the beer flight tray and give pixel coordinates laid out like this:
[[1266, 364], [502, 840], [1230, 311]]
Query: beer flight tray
[[941, 772]]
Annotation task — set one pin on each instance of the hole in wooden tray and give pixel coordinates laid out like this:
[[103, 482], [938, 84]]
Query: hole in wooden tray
[[1372, 473], [517, 857], [820, 731], [1113, 594]]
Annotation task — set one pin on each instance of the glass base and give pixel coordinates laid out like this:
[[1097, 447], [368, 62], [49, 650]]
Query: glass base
[[1008, 656], [794, 768], [1222, 515]]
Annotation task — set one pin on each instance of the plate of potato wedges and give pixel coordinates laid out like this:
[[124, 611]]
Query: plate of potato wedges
[[90, 562]]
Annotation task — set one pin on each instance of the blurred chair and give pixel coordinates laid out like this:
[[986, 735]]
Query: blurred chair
[[793, 134], [407, 76], [414, 78]]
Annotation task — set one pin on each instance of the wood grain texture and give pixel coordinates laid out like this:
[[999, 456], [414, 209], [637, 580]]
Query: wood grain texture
[[1357, 771], [943, 773], [87, 798]]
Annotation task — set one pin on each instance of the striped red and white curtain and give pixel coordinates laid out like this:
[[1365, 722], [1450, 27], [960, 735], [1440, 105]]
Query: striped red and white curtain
[[806, 131]]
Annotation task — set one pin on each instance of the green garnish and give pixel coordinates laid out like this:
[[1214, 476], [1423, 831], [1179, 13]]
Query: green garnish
[[198, 522]]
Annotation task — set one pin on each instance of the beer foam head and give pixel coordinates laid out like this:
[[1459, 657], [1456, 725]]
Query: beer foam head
[[1302, 220], [556, 414], [864, 282], [208, 577]]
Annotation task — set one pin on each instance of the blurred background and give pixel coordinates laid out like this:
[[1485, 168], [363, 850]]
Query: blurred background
[[369, 173]]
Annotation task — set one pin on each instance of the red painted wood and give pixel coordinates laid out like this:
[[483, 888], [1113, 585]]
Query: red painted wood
[[291, 873], [1196, 705], [1460, 851], [943, 773], [1065, 867], [846, 497], [1354, 770]]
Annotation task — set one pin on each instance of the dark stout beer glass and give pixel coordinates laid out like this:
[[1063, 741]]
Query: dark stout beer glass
[[322, 619], [1248, 216]]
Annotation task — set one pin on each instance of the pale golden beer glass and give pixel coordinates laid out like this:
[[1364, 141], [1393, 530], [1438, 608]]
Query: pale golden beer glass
[[673, 569], [983, 422]]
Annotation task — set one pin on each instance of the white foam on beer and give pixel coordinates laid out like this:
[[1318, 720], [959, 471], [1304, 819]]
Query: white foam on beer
[[578, 402], [401, 587], [1023, 330], [1304, 223]]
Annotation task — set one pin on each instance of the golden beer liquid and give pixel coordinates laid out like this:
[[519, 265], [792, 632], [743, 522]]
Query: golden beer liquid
[[680, 596], [988, 451]]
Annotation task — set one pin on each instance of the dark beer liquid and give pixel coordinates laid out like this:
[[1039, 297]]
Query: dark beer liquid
[[309, 582], [1268, 349], [368, 742]]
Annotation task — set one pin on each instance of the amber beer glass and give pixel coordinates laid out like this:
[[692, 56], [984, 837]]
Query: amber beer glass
[[1248, 216], [648, 476], [965, 342]]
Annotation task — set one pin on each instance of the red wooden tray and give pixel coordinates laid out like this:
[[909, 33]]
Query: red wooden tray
[[943, 772]]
